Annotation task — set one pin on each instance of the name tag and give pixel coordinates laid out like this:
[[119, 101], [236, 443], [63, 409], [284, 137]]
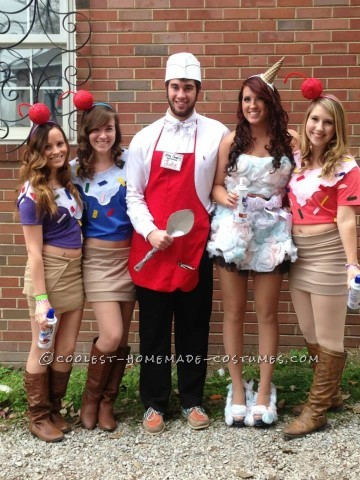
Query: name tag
[[172, 161]]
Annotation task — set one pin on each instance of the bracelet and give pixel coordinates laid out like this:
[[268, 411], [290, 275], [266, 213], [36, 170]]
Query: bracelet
[[349, 265], [41, 297], [39, 302]]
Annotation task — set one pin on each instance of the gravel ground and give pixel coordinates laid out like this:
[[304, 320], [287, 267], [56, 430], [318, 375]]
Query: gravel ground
[[179, 453]]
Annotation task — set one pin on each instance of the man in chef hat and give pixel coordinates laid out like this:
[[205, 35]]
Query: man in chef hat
[[171, 166]]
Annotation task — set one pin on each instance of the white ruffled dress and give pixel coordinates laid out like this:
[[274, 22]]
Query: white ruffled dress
[[264, 241]]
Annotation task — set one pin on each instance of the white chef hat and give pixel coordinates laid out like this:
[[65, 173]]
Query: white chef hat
[[183, 65]]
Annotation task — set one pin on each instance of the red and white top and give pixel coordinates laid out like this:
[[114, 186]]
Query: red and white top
[[314, 199]]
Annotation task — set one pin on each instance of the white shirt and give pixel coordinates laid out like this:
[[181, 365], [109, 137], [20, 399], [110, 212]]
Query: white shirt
[[176, 137]]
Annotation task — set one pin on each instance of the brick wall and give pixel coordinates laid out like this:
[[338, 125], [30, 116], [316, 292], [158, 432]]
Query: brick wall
[[128, 51]]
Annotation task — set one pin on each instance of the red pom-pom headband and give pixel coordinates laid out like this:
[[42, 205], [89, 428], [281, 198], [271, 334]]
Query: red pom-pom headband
[[39, 113], [311, 88], [84, 100]]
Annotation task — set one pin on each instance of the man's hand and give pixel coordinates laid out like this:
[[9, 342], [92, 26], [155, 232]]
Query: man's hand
[[160, 239]]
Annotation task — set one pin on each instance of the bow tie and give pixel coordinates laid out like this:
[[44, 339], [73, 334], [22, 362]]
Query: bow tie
[[187, 128]]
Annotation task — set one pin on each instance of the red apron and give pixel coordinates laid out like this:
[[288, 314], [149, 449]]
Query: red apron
[[168, 191]]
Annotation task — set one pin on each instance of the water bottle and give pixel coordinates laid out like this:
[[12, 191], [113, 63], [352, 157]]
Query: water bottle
[[354, 293], [239, 214], [46, 336]]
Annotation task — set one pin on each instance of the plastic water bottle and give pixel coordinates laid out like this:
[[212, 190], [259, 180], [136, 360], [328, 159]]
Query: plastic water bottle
[[354, 293], [239, 214], [46, 336]]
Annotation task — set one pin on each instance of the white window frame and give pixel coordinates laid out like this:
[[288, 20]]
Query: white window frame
[[35, 41]]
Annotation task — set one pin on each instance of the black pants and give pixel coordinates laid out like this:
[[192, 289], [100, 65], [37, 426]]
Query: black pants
[[191, 313]]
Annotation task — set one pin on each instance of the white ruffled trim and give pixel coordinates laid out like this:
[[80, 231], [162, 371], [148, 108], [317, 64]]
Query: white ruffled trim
[[238, 410], [269, 414]]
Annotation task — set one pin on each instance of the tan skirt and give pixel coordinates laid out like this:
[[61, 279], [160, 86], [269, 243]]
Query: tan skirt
[[64, 285], [106, 275], [320, 267]]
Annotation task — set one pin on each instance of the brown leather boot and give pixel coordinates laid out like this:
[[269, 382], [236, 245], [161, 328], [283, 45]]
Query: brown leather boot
[[337, 401], [106, 420], [58, 382], [326, 379], [99, 369], [37, 389]]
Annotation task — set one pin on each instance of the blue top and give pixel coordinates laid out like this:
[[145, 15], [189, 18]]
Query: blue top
[[104, 214]]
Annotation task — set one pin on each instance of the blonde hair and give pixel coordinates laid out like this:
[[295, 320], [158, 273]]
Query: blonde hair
[[338, 146]]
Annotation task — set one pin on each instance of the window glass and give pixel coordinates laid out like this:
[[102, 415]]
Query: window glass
[[33, 63], [18, 17]]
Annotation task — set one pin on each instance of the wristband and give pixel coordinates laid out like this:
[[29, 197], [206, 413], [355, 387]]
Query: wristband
[[41, 297], [349, 265]]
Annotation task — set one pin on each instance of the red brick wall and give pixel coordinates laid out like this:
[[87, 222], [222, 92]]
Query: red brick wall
[[128, 51]]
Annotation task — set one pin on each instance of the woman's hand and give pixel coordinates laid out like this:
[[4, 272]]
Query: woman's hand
[[352, 271], [41, 312], [232, 199]]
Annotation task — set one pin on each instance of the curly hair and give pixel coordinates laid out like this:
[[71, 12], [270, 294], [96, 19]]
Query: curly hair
[[280, 138], [338, 146], [34, 169], [98, 116]]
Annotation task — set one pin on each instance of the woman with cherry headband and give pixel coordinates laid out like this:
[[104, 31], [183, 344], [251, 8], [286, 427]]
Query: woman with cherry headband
[[50, 208], [324, 192]]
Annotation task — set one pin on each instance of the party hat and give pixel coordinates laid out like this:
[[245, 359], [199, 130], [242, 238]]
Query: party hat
[[269, 76]]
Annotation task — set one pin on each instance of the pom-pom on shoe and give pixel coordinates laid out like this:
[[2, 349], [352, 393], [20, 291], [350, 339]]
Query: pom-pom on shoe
[[262, 416], [235, 414]]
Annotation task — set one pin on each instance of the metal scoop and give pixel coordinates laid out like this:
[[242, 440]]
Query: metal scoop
[[179, 223]]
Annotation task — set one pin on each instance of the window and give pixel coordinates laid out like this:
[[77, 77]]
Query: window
[[37, 62]]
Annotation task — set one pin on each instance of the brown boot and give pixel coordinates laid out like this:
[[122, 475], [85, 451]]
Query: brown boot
[[106, 420], [99, 369], [326, 379], [337, 401], [37, 389], [58, 382]]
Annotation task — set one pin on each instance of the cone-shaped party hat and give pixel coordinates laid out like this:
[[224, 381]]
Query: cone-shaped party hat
[[270, 74]]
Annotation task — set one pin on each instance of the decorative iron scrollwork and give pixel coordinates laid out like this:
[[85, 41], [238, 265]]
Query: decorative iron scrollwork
[[37, 71]]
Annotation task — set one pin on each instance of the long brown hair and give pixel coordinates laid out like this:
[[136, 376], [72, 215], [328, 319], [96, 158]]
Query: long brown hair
[[98, 116], [34, 169], [280, 138]]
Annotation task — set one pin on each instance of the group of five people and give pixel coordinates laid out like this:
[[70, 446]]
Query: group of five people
[[301, 201]]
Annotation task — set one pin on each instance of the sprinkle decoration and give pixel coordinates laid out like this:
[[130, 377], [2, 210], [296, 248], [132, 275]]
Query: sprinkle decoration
[[61, 218], [324, 200]]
